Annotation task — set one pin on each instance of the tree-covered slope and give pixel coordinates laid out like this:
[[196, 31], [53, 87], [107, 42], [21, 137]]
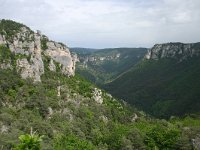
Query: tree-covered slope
[[104, 65], [57, 107], [74, 120], [163, 87], [10, 28]]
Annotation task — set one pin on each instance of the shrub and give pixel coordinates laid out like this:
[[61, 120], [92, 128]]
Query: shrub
[[29, 142]]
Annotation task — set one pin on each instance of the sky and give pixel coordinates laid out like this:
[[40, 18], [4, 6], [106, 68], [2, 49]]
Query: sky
[[108, 23]]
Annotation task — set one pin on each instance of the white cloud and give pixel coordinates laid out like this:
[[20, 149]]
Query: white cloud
[[109, 23]]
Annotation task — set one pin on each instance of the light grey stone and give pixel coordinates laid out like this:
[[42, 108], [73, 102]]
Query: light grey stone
[[97, 95], [52, 66], [2, 39], [196, 143], [63, 56], [103, 118], [28, 43], [4, 129], [134, 118], [172, 50]]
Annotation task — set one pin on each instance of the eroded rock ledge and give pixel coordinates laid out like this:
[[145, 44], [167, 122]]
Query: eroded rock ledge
[[30, 47], [179, 51]]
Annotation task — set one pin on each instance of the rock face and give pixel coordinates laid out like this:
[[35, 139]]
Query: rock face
[[62, 55], [196, 143], [97, 95], [2, 39], [173, 50], [6, 65], [52, 66], [29, 50], [95, 59]]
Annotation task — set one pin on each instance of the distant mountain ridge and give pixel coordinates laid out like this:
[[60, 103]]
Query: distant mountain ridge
[[103, 65], [174, 50], [165, 83], [80, 50]]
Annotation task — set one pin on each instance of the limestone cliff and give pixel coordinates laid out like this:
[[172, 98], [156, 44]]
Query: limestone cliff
[[30, 47], [179, 51]]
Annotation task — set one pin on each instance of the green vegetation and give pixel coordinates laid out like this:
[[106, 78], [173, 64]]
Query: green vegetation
[[64, 113], [75, 121], [10, 28], [109, 63], [29, 142], [158, 138], [5, 54], [162, 88], [7, 57], [71, 142], [83, 51], [44, 41]]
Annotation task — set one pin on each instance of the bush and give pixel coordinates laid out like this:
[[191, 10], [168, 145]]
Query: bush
[[29, 142], [161, 137], [71, 142]]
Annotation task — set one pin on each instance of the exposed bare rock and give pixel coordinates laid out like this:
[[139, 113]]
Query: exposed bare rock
[[24, 68], [4, 129], [27, 44], [2, 39], [50, 112], [97, 95], [6, 65], [196, 143], [58, 90], [35, 67], [109, 95], [134, 118], [52, 66], [103, 118], [173, 50], [148, 55], [23, 42], [62, 55]]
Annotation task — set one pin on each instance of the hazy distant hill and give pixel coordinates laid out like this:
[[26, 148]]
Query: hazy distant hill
[[81, 51], [101, 66]]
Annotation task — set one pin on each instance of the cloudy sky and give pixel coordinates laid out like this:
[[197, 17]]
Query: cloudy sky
[[109, 23]]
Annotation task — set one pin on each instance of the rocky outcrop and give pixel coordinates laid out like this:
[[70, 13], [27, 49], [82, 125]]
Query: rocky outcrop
[[173, 50], [62, 55], [27, 43], [104, 119], [2, 39], [52, 66], [134, 118], [29, 51], [97, 95], [196, 143], [6, 65], [99, 58], [4, 129]]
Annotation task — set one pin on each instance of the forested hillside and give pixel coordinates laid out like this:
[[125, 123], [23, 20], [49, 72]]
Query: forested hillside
[[104, 65], [77, 120], [164, 86]]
